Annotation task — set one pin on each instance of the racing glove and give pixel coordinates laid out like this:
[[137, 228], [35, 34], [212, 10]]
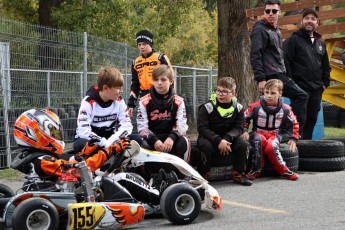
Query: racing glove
[[118, 146], [89, 148], [131, 101], [103, 142]]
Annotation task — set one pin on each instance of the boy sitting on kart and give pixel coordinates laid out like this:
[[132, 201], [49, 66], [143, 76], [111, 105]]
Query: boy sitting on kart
[[102, 118], [103, 113], [39, 132]]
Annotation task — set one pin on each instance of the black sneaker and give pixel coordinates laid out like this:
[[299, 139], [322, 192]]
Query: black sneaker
[[164, 180], [240, 178], [157, 179], [171, 178]]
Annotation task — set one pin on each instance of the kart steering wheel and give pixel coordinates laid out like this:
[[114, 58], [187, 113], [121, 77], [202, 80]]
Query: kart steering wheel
[[118, 159]]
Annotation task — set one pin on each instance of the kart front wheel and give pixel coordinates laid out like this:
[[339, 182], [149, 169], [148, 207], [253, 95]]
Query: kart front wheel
[[180, 204], [35, 214]]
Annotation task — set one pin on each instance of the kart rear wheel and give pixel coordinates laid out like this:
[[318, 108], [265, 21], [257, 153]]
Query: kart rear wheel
[[35, 214], [180, 204], [5, 191]]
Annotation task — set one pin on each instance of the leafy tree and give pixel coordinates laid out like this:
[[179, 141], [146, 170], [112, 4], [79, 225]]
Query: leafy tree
[[210, 6], [104, 18], [174, 23], [195, 44], [31, 11]]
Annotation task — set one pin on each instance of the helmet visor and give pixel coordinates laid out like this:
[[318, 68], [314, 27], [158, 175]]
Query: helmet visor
[[55, 133]]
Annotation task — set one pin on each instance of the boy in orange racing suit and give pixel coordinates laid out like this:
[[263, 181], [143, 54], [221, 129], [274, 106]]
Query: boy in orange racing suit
[[93, 155], [273, 121], [143, 66]]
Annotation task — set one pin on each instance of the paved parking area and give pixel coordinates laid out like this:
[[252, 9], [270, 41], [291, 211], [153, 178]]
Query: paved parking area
[[315, 201]]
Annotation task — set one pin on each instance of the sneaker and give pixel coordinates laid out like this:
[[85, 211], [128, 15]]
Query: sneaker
[[240, 178], [289, 175], [253, 174], [164, 180], [171, 178]]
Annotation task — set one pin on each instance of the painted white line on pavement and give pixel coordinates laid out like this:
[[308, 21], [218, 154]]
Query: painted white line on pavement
[[263, 209]]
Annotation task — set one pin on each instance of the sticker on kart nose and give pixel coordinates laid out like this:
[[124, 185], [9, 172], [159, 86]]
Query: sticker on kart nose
[[85, 215]]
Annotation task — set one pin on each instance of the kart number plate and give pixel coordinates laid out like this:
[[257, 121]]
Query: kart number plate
[[85, 215]]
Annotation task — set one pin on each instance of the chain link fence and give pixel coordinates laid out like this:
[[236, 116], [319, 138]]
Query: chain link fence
[[42, 67]]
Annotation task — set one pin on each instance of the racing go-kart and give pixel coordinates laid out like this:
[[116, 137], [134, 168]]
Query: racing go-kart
[[180, 203], [72, 204], [87, 203]]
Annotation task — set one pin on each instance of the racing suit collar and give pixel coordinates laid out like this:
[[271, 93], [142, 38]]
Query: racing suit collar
[[148, 54], [93, 92], [269, 110], [162, 101]]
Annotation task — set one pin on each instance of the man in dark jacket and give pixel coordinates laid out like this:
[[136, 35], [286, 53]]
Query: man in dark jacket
[[267, 59], [307, 64]]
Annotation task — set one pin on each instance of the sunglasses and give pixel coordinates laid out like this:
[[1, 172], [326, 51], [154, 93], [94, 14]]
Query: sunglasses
[[274, 11]]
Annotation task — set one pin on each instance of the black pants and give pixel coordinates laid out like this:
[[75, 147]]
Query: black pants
[[181, 148], [210, 153], [297, 96], [313, 109]]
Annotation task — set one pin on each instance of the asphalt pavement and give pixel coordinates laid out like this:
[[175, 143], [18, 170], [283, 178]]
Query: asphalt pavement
[[316, 201]]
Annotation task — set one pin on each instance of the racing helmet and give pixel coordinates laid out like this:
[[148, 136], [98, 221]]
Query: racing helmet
[[40, 129]]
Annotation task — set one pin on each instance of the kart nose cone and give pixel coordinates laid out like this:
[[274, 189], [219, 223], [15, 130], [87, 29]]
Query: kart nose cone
[[217, 203]]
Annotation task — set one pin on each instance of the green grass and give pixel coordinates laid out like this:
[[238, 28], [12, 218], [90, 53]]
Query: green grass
[[334, 132], [11, 174]]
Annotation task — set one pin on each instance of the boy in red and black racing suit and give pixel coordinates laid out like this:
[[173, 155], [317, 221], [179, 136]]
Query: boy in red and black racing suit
[[161, 119], [273, 122]]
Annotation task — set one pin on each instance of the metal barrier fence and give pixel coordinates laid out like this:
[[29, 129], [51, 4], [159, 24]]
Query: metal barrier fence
[[48, 68]]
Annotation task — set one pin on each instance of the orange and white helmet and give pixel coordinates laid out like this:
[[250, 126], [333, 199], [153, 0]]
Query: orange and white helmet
[[40, 129]]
